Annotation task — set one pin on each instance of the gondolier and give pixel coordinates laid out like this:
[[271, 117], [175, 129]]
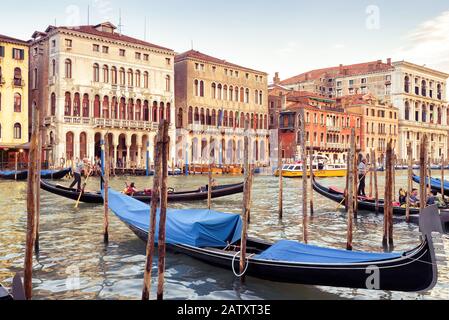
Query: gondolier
[[362, 176], [79, 167]]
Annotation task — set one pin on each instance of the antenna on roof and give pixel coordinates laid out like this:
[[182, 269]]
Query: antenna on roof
[[145, 30], [120, 25], [191, 43], [55, 23], [88, 14]]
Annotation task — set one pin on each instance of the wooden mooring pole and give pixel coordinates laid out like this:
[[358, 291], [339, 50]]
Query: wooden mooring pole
[[38, 189], [370, 192], [106, 173], [209, 188], [246, 206], [33, 184], [388, 236], [304, 178], [155, 196], [281, 182], [423, 173], [311, 177], [163, 214], [350, 192], [409, 181], [356, 181], [376, 185], [442, 178]]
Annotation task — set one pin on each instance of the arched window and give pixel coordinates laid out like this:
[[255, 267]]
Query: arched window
[[168, 83], [53, 67], [242, 120], [68, 105], [114, 75], [424, 113], [214, 118], [53, 104], [83, 145], [17, 102], [146, 111], [424, 88], [130, 109], [138, 110], [146, 80], [96, 72], [225, 92], [208, 118], [17, 77], [130, 78], [247, 96], [225, 119], [138, 82], [105, 74], [97, 107], [190, 116], [256, 97], [407, 84], [68, 69], [35, 78], [214, 91], [162, 112], [202, 117], [122, 108], [220, 92], [69, 140], [179, 119], [105, 107], [77, 105], [86, 106], [197, 115], [155, 119], [439, 92], [0, 130], [122, 77], [266, 123], [260, 97], [231, 119], [201, 88], [231, 93], [196, 87], [17, 131], [242, 95], [236, 96], [168, 113]]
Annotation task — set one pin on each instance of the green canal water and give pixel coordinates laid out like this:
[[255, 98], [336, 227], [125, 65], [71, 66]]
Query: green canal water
[[75, 264]]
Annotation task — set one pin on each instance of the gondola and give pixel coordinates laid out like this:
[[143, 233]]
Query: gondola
[[181, 196], [45, 174], [435, 184], [4, 294], [214, 238]]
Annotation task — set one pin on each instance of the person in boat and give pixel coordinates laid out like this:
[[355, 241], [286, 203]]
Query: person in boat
[[131, 189], [79, 167], [402, 197], [362, 176], [414, 200]]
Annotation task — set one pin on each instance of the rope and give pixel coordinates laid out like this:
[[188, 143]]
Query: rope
[[233, 268]]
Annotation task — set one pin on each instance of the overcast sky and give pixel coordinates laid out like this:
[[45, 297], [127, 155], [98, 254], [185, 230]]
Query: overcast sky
[[289, 36]]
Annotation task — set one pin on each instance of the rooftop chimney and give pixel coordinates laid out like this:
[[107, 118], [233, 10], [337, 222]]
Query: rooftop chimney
[[389, 61], [276, 79]]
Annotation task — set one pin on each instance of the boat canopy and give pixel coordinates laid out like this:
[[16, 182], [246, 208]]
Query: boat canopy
[[293, 251], [198, 228]]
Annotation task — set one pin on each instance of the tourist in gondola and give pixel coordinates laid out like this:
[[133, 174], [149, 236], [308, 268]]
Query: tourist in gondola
[[414, 200], [362, 176], [131, 189], [79, 167], [402, 197]]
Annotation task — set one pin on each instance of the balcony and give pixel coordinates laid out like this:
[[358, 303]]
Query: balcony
[[48, 121], [18, 83], [333, 129]]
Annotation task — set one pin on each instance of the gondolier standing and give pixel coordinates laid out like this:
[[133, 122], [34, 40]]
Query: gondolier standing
[[362, 176], [79, 167]]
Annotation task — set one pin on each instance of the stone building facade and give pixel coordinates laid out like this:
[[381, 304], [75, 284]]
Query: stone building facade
[[94, 83], [14, 85], [214, 98]]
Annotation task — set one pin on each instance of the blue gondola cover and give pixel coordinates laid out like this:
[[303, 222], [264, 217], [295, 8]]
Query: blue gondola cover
[[199, 228], [293, 251]]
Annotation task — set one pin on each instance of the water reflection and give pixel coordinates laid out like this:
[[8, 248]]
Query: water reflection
[[72, 245]]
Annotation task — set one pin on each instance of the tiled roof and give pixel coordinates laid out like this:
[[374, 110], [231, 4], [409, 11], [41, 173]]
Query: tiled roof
[[91, 29], [333, 72], [193, 54], [294, 93], [13, 40]]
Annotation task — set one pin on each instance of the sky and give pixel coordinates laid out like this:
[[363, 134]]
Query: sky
[[285, 36]]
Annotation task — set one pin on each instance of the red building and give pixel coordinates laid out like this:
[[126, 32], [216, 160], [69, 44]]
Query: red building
[[328, 127]]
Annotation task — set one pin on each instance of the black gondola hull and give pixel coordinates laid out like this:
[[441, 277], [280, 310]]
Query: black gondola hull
[[96, 197], [411, 273], [23, 175]]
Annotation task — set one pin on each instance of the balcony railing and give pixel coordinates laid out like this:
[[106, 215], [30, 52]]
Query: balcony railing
[[18, 83]]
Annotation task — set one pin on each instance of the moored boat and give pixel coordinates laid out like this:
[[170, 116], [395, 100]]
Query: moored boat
[[174, 196], [435, 184], [214, 238], [45, 174]]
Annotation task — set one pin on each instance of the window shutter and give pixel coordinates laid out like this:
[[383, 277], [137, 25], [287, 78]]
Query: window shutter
[[22, 54], [2, 51]]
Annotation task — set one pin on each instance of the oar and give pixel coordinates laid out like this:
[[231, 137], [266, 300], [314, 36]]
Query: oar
[[82, 189], [344, 198]]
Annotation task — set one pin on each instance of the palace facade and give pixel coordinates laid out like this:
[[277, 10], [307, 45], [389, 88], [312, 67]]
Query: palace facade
[[93, 83], [13, 100], [214, 99]]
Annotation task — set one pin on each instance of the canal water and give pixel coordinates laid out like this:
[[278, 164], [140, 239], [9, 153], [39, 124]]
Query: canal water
[[75, 264]]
